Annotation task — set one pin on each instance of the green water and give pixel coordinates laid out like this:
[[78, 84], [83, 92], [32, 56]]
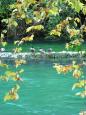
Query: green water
[[43, 92], [37, 46]]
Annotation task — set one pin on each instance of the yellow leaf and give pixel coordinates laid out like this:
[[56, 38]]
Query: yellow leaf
[[19, 62], [53, 11], [37, 27], [12, 94], [21, 71], [15, 42], [77, 20], [3, 65], [4, 44], [77, 73], [23, 15], [28, 21], [28, 38], [55, 32]]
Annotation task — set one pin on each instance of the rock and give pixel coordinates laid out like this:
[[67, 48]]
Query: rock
[[42, 55], [2, 49], [42, 51], [50, 50], [32, 50]]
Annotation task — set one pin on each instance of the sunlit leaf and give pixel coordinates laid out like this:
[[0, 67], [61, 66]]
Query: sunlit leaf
[[37, 27], [28, 38], [77, 20], [12, 94], [4, 44], [19, 62]]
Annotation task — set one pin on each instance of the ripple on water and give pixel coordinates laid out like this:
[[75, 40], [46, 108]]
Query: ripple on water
[[14, 104]]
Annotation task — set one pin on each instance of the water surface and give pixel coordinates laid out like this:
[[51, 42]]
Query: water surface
[[43, 92]]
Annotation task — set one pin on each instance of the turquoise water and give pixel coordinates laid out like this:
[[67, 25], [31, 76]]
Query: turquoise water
[[37, 46], [43, 92], [55, 46]]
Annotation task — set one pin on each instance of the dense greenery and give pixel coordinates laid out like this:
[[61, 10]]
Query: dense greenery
[[42, 12]]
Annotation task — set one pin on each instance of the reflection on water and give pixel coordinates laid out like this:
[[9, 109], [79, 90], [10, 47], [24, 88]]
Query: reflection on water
[[43, 92]]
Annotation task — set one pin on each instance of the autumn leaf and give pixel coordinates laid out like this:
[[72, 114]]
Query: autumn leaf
[[80, 84], [19, 62], [81, 94], [77, 20], [12, 94], [37, 27], [3, 64], [28, 38]]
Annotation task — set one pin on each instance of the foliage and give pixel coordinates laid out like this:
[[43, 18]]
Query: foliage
[[12, 94], [14, 76], [43, 12], [77, 73], [35, 13], [4, 7]]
